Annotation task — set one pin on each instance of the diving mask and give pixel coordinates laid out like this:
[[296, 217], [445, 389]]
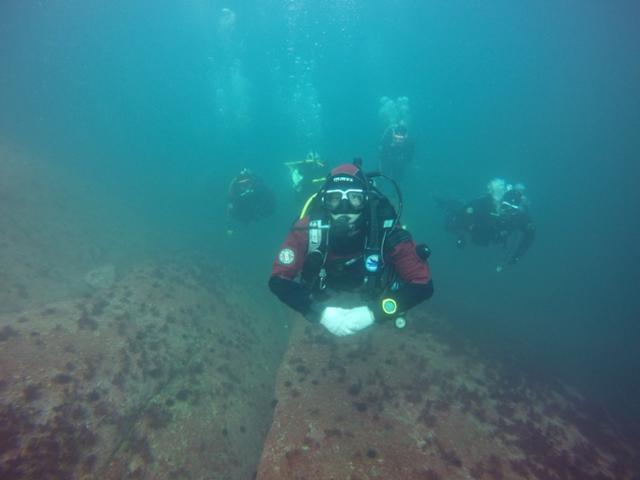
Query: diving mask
[[343, 201]]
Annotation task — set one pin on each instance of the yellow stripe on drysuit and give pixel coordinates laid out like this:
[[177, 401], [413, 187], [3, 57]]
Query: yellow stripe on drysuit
[[306, 206]]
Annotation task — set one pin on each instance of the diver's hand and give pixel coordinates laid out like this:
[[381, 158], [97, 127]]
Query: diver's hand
[[317, 308], [336, 320], [342, 322], [359, 318]]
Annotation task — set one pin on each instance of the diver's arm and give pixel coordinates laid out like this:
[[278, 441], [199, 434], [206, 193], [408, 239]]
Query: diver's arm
[[460, 224], [232, 191], [467, 215], [291, 293], [408, 296], [414, 274], [528, 236], [287, 266], [299, 297]]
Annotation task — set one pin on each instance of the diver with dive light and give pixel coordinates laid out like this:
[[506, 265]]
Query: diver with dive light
[[347, 262]]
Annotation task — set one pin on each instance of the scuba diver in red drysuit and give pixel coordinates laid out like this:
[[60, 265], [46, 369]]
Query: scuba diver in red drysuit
[[347, 263]]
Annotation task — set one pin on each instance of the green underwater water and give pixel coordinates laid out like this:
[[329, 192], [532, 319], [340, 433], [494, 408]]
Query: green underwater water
[[159, 104]]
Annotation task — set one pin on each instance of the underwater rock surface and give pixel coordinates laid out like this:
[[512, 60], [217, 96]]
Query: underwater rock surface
[[49, 234], [390, 404], [101, 277], [168, 374], [173, 371]]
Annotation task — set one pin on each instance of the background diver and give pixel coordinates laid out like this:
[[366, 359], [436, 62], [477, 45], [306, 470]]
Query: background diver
[[500, 217], [347, 262], [396, 150], [249, 199]]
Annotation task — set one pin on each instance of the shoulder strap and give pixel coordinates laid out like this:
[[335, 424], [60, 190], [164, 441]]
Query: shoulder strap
[[314, 270], [316, 236]]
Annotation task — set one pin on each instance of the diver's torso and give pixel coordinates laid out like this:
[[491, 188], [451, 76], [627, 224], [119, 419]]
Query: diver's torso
[[345, 273], [490, 227], [348, 273]]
